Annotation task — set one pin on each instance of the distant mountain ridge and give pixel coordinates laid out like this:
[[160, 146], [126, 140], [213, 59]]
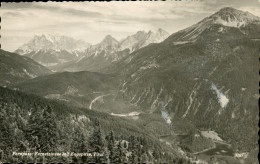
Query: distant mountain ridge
[[110, 50], [142, 39], [61, 53], [50, 50], [54, 42]]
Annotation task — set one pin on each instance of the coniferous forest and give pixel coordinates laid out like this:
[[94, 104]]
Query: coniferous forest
[[31, 124], [96, 89]]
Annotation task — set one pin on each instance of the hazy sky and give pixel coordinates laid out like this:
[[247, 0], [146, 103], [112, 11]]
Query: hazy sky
[[92, 21]]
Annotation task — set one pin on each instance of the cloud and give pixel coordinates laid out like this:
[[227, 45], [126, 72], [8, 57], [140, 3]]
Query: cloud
[[71, 11], [17, 6], [253, 10], [49, 6], [12, 14], [91, 21]]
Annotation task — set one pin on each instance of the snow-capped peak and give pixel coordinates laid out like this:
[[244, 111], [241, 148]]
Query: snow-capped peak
[[227, 16], [49, 37], [155, 37], [232, 17], [108, 41], [51, 42], [142, 38], [132, 42]]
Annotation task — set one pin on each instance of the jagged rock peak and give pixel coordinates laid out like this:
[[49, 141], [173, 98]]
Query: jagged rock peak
[[109, 38], [54, 42]]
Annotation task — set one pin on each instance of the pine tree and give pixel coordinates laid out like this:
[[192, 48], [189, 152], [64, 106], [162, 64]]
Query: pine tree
[[42, 131], [111, 146], [134, 151], [6, 135], [79, 145], [139, 152], [155, 154], [49, 140], [119, 155], [96, 142], [125, 145], [122, 153], [144, 156], [106, 156], [116, 158]]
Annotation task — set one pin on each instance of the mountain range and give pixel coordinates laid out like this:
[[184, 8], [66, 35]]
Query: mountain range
[[61, 53], [50, 50], [199, 80], [142, 39]]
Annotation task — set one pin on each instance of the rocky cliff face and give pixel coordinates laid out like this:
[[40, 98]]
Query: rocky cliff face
[[50, 50], [62, 53], [205, 73], [142, 39], [109, 50]]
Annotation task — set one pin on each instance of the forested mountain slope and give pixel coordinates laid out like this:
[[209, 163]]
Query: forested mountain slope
[[15, 68], [206, 73], [72, 129]]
